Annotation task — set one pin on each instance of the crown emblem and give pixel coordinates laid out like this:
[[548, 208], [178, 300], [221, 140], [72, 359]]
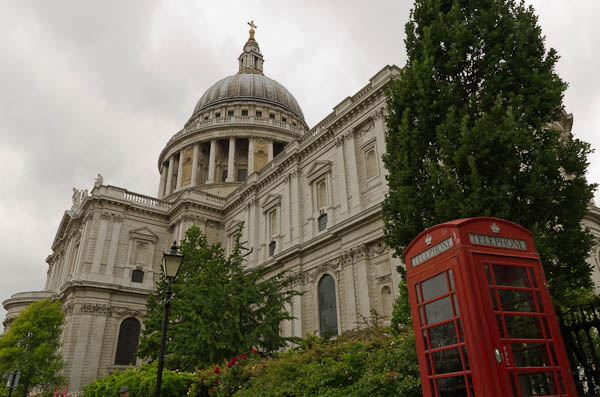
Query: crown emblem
[[428, 239], [495, 228]]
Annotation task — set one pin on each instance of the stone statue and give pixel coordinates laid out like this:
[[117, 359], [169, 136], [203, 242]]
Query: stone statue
[[76, 198], [98, 181]]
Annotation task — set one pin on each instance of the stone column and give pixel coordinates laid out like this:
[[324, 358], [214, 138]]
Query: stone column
[[250, 155], [351, 309], [339, 147], [179, 171], [194, 180], [169, 176], [354, 180], [361, 266], [211, 161], [163, 182], [100, 241], [380, 140], [270, 151], [114, 243], [230, 159]]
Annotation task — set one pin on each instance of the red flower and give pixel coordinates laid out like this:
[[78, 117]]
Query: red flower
[[229, 364], [218, 381], [254, 350], [217, 369], [211, 390], [244, 356]]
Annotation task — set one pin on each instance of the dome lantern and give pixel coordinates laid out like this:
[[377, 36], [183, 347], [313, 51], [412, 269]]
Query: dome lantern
[[251, 60]]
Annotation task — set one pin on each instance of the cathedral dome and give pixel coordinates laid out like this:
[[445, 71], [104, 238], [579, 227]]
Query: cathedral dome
[[249, 86]]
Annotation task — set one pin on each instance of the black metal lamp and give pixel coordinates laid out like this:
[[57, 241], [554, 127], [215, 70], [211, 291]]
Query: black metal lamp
[[171, 263]]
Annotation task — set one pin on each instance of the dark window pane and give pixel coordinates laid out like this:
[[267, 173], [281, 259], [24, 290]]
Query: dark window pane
[[224, 176], [456, 309], [439, 310], [272, 246], [327, 306], [487, 273], [425, 340], [244, 112], [129, 335], [453, 386], [526, 327], [516, 301], [417, 291], [465, 358], [531, 354], [493, 297], [537, 383], [446, 361], [451, 277], [137, 276], [422, 315], [461, 335], [258, 113], [322, 222], [241, 175], [532, 274], [428, 359], [514, 276], [443, 335], [546, 328], [513, 384], [553, 352], [434, 287], [500, 328], [540, 303]]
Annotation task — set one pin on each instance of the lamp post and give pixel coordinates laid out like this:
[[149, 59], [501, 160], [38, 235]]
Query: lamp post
[[13, 381], [170, 263]]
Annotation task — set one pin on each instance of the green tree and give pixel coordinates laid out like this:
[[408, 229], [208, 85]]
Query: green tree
[[471, 133], [31, 346], [219, 308]]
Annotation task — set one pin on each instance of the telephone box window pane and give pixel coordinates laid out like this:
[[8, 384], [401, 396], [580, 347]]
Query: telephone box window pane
[[425, 340], [422, 315], [417, 291], [516, 301], [451, 277], [456, 309], [466, 358], [461, 335], [453, 386], [439, 310], [514, 385], [443, 335], [540, 304], [493, 297], [523, 327], [555, 361], [530, 354], [546, 328], [428, 359], [532, 273], [513, 276], [446, 361], [500, 328], [487, 273], [434, 287], [537, 383], [561, 383]]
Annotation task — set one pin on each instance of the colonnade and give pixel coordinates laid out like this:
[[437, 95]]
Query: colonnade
[[168, 171]]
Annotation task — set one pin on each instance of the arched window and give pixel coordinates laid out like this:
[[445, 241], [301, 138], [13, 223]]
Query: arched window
[[327, 306], [386, 302], [372, 169], [129, 335]]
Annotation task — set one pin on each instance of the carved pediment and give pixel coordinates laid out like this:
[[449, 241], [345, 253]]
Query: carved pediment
[[317, 169], [270, 201], [143, 233]]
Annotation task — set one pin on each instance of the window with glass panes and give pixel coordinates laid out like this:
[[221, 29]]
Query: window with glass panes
[[448, 369]]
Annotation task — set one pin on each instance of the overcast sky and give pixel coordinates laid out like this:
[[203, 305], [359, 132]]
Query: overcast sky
[[100, 87]]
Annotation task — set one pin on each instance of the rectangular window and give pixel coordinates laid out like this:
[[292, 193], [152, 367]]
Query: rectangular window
[[272, 246], [230, 113], [322, 222], [224, 176], [244, 112], [218, 114], [284, 119], [272, 116], [241, 174], [258, 113]]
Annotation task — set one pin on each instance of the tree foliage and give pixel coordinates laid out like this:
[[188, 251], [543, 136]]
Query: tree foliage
[[219, 308], [471, 133], [31, 346]]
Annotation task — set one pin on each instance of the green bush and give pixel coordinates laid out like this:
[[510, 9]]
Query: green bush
[[141, 382], [366, 362]]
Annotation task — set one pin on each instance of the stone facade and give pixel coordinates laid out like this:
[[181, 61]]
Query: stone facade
[[310, 202]]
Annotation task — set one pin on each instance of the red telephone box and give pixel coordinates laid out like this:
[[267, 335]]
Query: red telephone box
[[483, 318]]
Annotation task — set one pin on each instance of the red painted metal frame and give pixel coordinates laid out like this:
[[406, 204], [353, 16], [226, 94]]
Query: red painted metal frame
[[477, 312]]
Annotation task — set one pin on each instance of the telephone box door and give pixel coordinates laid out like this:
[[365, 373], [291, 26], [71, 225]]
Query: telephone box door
[[521, 330], [440, 334]]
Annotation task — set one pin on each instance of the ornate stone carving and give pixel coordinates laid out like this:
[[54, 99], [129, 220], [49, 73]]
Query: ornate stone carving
[[123, 311], [96, 309]]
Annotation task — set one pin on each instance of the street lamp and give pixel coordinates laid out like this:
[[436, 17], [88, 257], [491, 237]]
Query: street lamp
[[171, 263], [13, 381]]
